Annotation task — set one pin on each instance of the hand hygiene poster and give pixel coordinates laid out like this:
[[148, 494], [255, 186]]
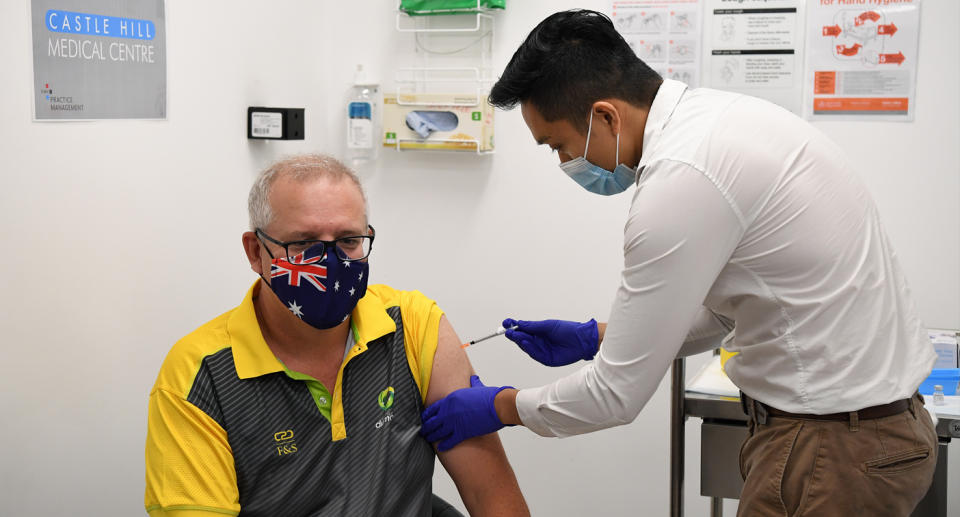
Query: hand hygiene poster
[[665, 34], [99, 59], [862, 58], [755, 47]]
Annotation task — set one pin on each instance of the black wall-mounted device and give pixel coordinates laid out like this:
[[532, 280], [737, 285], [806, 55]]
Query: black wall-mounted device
[[275, 123]]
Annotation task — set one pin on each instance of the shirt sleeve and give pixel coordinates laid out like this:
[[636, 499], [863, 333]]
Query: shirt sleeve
[[189, 462], [706, 333], [680, 233], [421, 328]]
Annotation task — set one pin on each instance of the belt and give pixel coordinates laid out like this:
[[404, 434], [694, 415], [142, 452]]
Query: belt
[[762, 411]]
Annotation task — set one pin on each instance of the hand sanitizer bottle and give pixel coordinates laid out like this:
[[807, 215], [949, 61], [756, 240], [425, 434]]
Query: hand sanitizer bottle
[[363, 120]]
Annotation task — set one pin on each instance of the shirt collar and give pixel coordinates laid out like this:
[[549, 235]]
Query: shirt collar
[[253, 357], [664, 103], [370, 320]]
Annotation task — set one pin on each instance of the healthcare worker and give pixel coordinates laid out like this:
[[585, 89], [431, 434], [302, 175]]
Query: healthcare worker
[[746, 222]]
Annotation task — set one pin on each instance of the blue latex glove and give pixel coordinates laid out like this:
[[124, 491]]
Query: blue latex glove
[[555, 342], [463, 414], [420, 124]]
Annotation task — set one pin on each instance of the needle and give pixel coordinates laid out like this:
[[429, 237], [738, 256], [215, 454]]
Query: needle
[[501, 331]]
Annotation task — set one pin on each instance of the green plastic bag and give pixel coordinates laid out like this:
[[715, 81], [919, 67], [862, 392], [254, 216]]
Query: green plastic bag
[[429, 7]]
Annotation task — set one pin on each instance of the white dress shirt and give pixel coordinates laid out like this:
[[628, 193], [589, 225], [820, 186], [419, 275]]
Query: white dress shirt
[[746, 218]]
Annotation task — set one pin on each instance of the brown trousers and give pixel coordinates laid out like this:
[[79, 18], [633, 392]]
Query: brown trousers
[[799, 467]]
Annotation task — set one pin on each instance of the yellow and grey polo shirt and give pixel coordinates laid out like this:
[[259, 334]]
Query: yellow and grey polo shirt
[[231, 431]]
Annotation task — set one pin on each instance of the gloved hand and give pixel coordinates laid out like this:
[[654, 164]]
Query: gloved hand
[[463, 414], [555, 342]]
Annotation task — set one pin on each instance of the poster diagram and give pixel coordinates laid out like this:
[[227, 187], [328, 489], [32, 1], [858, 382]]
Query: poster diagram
[[755, 49], [862, 37], [665, 34], [863, 61]]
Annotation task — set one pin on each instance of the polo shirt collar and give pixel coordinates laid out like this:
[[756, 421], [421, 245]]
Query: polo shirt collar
[[253, 357], [370, 320], [664, 103]]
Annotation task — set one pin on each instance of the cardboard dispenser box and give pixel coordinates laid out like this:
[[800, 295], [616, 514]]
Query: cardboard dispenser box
[[437, 121]]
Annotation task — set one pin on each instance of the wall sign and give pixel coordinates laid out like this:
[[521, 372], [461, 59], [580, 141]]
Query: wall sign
[[665, 34], [99, 59], [755, 47], [862, 59]]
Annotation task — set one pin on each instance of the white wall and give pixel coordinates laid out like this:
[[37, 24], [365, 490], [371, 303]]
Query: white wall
[[119, 237]]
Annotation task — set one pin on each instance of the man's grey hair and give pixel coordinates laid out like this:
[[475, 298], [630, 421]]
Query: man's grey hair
[[303, 167]]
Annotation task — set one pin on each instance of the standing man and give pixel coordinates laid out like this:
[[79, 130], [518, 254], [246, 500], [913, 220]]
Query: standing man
[[306, 398], [745, 221]]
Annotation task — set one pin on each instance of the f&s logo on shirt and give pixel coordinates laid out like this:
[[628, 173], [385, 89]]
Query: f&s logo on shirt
[[285, 443]]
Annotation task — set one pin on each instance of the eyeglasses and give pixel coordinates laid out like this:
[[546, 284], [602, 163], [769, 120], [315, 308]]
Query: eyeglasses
[[350, 249]]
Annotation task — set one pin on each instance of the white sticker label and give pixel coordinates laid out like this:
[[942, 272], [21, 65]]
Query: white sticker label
[[266, 125], [360, 133]]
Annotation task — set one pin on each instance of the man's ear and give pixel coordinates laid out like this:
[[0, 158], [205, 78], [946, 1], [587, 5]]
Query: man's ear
[[608, 113], [251, 246]]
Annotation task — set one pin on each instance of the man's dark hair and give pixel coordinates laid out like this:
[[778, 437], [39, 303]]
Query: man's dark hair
[[571, 60]]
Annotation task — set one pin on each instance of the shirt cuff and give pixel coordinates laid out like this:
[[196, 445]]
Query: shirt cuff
[[528, 405], [189, 511]]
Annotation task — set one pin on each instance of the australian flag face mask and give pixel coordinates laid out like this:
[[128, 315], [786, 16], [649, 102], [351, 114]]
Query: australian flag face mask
[[320, 290]]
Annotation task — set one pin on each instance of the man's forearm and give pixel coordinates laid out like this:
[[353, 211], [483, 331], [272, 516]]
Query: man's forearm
[[601, 328], [500, 497], [505, 501], [487, 484]]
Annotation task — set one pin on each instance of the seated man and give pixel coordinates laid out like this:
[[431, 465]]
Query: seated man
[[306, 399]]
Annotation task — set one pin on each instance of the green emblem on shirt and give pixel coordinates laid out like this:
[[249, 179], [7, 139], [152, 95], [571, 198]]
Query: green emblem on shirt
[[386, 398]]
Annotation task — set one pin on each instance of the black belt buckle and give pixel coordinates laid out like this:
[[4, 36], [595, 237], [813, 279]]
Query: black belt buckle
[[759, 413]]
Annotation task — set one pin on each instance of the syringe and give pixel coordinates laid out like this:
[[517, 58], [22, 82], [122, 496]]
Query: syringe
[[500, 331]]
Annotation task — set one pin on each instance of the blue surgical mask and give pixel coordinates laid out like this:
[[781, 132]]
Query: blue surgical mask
[[596, 179], [320, 290]]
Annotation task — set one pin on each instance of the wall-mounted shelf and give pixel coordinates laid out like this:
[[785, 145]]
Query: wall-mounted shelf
[[462, 144], [475, 22], [470, 8], [466, 81], [452, 41], [452, 59]]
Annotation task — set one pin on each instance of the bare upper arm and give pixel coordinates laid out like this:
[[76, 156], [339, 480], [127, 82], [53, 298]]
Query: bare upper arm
[[451, 367], [478, 466]]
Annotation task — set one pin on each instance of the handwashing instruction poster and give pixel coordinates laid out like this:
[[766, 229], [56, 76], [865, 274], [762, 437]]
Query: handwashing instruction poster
[[862, 59], [99, 59], [755, 47], [665, 34]]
